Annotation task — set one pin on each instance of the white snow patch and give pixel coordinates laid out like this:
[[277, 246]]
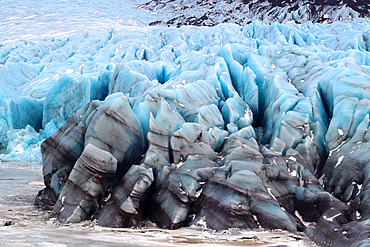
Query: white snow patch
[[197, 194], [339, 161], [335, 149], [255, 218], [331, 218], [179, 164], [269, 190], [293, 173], [358, 215], [340, 132], [292, 158]]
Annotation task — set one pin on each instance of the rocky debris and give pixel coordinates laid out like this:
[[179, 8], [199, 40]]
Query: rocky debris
[[210, 13]]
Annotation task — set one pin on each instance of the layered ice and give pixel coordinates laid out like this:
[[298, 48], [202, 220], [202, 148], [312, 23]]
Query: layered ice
[[255, 126]]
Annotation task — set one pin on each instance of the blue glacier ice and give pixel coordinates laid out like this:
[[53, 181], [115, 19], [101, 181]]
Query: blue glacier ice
[[263, 125]]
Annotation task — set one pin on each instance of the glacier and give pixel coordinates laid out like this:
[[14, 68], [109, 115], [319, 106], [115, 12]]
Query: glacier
[[257, 126]]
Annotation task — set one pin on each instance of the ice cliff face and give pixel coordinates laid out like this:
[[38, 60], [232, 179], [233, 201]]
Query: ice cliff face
[[262, 125], [243, 12], [231, 126]]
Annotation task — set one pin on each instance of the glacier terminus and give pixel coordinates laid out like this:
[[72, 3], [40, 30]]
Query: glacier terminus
[[220, 124]]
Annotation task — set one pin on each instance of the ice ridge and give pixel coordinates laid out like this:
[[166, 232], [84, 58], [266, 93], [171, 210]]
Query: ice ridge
[[237, 127]]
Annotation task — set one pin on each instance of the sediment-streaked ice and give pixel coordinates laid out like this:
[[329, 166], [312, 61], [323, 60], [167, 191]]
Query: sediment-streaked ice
[[230, 126]]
